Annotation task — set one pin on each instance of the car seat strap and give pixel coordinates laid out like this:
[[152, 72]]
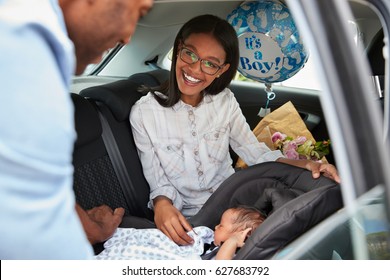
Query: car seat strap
[[117, 162]]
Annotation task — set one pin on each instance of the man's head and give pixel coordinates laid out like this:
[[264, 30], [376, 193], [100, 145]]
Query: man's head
[[95, 26]]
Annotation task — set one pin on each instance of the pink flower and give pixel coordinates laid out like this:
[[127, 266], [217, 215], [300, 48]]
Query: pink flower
[[300, 147], [291, 153], [290, 145], [290, 150], [300, 140], [278, 136]]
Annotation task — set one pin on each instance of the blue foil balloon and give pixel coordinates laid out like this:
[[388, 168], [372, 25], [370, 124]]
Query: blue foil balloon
[[271, 49]]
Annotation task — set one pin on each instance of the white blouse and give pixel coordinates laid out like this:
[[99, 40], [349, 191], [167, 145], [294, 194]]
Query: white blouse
[[184, 150]]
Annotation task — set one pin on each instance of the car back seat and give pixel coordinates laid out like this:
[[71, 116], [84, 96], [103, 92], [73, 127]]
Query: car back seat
[[95, 182], [96, 178]]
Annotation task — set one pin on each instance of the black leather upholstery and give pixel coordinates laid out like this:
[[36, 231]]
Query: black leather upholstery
[[95, 180], [375, 54]]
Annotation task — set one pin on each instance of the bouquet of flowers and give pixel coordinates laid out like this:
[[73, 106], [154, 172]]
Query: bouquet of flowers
[[284, 129], [300, 147]]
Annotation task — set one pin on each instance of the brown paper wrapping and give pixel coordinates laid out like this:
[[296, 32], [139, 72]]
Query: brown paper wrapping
[[286, 120]]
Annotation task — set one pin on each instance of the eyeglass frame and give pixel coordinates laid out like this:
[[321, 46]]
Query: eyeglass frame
[[219, 67]]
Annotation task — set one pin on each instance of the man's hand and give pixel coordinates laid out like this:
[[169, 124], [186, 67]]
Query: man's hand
[[100, 222], [171, 222]]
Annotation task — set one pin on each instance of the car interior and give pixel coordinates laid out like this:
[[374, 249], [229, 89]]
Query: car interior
[[107, 169]]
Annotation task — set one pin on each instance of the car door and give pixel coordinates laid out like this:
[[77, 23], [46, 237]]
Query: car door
[[359, 135]]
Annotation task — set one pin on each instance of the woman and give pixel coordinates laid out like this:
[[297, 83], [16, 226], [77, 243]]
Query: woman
[[183, 129]]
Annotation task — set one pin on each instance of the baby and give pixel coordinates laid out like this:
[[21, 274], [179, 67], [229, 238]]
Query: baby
[[151, 244], [235, 225]]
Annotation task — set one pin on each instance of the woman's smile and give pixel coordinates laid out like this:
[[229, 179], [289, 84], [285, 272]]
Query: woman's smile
[[190, 79]]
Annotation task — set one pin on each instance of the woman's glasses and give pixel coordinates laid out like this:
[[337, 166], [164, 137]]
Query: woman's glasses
[[206, 66]]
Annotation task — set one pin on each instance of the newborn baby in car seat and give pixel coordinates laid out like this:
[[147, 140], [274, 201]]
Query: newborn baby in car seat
[[151, 244]]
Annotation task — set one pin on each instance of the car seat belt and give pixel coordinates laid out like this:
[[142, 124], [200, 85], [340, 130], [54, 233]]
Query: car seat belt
[[117, 162]]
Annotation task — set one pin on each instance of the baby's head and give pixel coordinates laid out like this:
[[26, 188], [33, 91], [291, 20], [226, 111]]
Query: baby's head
[[237, 219]]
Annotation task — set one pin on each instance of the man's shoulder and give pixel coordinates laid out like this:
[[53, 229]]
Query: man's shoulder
[[43, 30]]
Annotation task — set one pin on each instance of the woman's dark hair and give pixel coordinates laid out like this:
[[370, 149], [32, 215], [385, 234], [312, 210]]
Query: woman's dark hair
[[224, 33]]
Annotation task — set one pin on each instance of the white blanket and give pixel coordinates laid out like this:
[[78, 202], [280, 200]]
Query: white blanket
[[152, 244]]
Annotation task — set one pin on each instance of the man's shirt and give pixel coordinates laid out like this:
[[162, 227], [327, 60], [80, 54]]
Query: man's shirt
[[37, 203]]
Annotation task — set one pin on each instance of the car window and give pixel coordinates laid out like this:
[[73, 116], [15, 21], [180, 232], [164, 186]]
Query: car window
[[307, 76], [90, 69]]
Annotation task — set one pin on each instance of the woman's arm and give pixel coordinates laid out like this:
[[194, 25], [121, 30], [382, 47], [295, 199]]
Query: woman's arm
[[165, 199], [154, 174], [243, 141], [246, 145], [171, 222]]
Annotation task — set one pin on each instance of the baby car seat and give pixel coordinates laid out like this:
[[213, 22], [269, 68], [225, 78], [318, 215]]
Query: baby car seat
[[293, 201]]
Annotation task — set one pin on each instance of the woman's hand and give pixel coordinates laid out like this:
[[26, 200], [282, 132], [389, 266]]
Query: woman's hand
[[316, 168], [171, 222], [328, 170]]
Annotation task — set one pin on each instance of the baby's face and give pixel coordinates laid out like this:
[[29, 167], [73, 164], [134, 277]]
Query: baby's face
[[225, 228]]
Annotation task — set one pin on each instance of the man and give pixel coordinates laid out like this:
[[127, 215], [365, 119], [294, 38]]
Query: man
[[40, 40]]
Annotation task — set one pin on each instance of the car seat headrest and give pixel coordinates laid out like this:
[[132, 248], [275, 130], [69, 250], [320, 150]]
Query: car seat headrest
[[87, 123], [121, 95], [151, 78]]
